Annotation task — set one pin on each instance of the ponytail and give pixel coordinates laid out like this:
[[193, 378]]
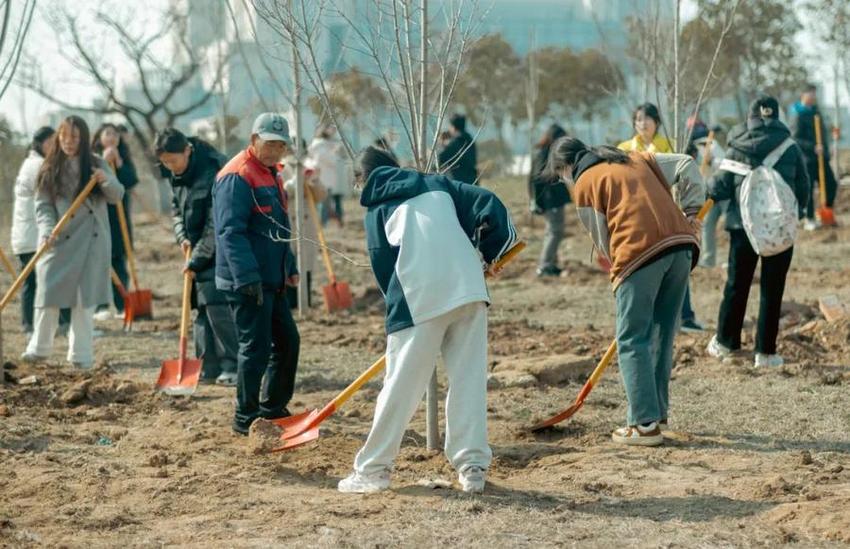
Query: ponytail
[[567, 151]]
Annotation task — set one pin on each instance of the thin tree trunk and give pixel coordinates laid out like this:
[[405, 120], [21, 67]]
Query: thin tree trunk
[[299, 179], [678, 147]]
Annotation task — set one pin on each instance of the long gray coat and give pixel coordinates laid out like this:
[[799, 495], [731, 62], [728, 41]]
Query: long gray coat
[[75, 271]]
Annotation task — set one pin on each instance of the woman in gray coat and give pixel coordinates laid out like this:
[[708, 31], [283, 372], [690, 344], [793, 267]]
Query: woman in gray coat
[[75, 271]]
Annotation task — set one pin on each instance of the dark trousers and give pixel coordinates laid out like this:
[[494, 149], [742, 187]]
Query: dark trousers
[[28, 299], [829, 182], [215, 340], [119, 263], [267, 357], [733, 308], [687, 309], [292, 292], [331, 208]]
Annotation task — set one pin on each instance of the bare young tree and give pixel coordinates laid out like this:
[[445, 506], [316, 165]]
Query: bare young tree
[[163, 62], [13, 33]]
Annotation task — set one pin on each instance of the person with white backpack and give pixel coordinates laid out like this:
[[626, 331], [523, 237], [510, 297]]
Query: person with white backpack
[[764, 178]]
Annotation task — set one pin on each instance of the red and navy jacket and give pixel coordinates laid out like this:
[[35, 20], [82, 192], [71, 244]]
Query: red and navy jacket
[[252, 229]]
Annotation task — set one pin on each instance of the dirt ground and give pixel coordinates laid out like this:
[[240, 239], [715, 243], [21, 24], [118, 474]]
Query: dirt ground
[[756, 457]]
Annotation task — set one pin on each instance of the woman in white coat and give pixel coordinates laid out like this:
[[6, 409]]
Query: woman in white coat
[[335, 174], [24, 228], [74, 272]]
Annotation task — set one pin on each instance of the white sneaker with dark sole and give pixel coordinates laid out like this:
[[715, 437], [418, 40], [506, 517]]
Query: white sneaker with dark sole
[[639, 435], [227, 379], [472, 480], [358, 483]]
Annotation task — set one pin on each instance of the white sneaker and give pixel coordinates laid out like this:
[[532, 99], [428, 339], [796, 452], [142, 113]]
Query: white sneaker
[[472, 479], [357, 483], [639, 435], [103, 316], [228, 379], [768, 361], [810, 225], [717, 350], [32, 358]]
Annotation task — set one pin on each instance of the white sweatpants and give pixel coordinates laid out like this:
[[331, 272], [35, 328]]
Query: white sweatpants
[[80, 336], [461, 336]]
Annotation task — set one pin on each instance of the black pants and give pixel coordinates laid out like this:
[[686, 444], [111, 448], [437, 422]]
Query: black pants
[[215, 340], [829, 182], [119, 253], [292, 292], [733, 308], [267, 357], [28, 299]]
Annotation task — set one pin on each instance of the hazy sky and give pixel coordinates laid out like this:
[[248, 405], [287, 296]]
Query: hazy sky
[[26, 109]]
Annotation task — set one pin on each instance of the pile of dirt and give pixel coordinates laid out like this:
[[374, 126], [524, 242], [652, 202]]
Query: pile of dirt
[[263, 437]]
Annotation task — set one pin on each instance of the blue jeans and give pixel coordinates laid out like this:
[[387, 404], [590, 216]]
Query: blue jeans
[[649, 302]]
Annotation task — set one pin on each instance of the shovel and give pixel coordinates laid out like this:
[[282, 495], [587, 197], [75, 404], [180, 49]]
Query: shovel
[[304, 428], [128, 306], [825, 213], [337, 294], [180, 376], [600, 368], [140, 300], [7, 264]]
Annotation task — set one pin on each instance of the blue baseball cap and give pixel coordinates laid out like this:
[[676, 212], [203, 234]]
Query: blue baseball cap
[[271, 126]]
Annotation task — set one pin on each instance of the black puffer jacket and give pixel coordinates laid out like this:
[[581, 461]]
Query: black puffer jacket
[[459, 159], [191, 207], [546, 191], [750, 143]]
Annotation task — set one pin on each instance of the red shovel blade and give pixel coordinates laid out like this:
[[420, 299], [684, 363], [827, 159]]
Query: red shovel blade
[[826, 216], [337, 296], [298, 429], [171, 382], [142, 303], [558, 418]]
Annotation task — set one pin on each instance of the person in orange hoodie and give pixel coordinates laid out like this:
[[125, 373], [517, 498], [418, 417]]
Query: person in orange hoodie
[[626, 202]]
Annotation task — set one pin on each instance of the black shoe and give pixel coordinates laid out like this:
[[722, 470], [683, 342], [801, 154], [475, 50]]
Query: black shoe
[[550, 271], [691, 326], [240, 428], [283, 413]]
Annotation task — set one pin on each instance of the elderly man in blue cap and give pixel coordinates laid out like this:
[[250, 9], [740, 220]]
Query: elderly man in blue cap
[[254, 264]]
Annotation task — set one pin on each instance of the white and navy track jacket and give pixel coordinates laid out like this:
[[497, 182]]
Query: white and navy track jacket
[[427, 237]]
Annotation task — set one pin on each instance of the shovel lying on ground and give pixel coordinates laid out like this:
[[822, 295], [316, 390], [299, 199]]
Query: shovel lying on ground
[[181, 376], [7, 264], [141, 300], [825, 213], [128, 305], [304, 427], [30, 266], [337, 294], [606, 360]]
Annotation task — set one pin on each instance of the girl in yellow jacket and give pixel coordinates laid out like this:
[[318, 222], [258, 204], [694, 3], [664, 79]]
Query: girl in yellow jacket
[[646, 122]]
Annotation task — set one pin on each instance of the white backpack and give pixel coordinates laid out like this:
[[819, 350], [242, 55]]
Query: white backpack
[[767, 203]]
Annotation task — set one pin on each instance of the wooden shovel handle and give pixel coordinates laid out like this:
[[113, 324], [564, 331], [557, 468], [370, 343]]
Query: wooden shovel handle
[[821, 167], [60, 226], [7, 264], [326, 257], [128, 247], [185, 310]]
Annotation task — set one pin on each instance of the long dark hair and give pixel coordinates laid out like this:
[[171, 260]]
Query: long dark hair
[[566, 151], [372, 158], [39, 137], [552, 134], [49, 175], [123, 149]]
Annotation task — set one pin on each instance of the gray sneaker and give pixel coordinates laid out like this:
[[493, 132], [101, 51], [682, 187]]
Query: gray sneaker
[[358, 483], [32, 358]]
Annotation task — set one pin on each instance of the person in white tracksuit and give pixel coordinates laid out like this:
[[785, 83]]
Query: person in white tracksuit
[[430, 240]]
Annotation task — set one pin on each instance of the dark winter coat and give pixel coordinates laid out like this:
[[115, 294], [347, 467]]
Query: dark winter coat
[[750, 143], [252, 229], [801, 122], [546, 191], [192, 215], [126, 174], [459, 159]]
